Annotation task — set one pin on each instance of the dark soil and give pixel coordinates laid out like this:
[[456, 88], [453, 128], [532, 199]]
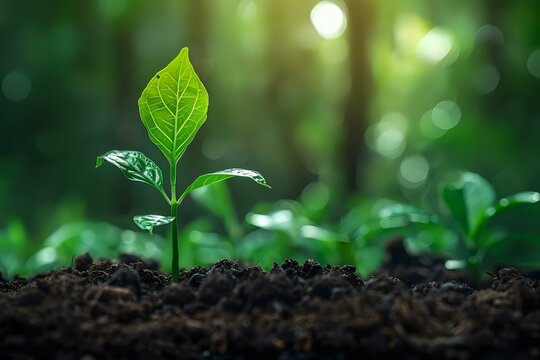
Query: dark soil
[[100, 309]]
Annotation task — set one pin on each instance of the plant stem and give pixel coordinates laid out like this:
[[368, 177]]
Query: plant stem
[[174, 212], [174, 224]]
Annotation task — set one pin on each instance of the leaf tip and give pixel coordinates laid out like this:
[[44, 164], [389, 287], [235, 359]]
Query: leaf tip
[[99, 161]]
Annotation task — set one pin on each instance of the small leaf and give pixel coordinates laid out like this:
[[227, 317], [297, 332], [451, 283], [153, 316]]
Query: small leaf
[[173, 107], [148, 222], [135, 166], [468, 199], [218, 176]]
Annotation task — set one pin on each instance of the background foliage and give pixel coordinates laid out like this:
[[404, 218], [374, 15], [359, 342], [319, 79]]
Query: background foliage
[[341, 108]]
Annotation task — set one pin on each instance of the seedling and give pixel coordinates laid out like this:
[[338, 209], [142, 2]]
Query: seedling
[[173, 107], [474, 231]]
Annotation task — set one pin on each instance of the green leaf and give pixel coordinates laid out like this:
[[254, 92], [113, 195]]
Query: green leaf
[[148, 222], [99, 239], [522, 198], [422, 230], [212, 178], [173, 107], [217, 199], [468, 199], [527, 200], [394, 220], [135, 166]]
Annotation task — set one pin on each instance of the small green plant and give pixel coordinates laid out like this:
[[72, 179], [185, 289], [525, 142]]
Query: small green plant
[[473, 229], [173, 107]]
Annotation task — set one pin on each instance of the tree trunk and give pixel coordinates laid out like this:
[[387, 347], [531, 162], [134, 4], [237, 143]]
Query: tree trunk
[[360, 15]]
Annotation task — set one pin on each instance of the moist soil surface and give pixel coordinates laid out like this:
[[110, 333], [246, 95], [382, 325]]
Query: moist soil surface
[[128, 310]]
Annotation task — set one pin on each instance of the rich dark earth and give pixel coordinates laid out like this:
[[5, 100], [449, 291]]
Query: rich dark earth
[[128, 310]]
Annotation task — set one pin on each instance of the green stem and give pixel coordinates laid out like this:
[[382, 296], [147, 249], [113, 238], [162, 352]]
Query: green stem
[[175, 260], [173, 183], [174, 212], [165, 196]]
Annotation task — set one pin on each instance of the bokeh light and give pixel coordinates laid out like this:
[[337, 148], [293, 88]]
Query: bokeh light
[[328, 19], [16, 86], [315, 196], [486, 79], [533, 63], [434, 46], [446, 115], [387, 137], [413, 171]]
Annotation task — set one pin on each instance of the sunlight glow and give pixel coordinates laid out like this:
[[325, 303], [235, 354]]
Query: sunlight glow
[[328, 19], [434, 46]]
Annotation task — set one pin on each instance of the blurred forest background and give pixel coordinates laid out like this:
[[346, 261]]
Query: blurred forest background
[[336, 103]]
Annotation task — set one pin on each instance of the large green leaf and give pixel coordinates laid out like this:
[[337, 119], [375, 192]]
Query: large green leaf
[[468, 199], [212, 178], [148, 222], [135, 166], [173, 107]]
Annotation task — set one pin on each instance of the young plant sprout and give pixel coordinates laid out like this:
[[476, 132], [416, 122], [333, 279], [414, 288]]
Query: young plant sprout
[[172, 107]]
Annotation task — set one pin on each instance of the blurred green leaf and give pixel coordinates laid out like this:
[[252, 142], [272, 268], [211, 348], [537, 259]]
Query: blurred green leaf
[[523, 198], [217, 199], [264, 248], [369, 259], [514, 214], [207, 248], [395, 220], [13, 247], [421, 230], [148, 222], [99, 239], [468, 199], [173, 107]]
